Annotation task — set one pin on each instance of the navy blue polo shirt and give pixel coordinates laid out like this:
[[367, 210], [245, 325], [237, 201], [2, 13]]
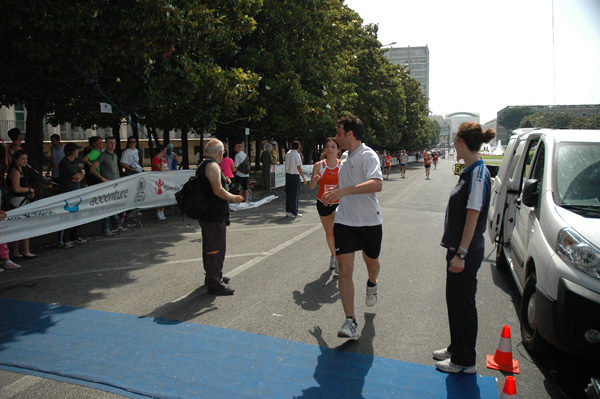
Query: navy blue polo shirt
[[471, 192]]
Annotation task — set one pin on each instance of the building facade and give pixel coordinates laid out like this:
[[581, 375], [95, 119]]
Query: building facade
[[416, 62]]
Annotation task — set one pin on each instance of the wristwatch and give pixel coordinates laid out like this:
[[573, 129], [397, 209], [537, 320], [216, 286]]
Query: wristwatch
[[461, 255]]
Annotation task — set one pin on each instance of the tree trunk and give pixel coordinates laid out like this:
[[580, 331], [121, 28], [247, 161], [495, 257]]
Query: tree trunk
[[185, 163], [116, 128], [166, 135], [34, 142]]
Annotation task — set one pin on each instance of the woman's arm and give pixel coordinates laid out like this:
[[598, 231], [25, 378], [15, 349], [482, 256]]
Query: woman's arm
[[457, 265]]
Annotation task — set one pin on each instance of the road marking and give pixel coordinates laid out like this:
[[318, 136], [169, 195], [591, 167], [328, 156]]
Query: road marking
[[20, 385], [261, 256]]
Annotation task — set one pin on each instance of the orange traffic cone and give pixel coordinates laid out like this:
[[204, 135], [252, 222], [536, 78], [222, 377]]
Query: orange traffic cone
[[510, 389], [502, 359]]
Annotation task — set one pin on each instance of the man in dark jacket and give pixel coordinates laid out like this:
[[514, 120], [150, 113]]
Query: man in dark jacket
[[216, 219]]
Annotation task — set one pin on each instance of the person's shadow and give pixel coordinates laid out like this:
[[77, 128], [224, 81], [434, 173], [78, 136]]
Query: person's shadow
[[316, 293], [462, 386], [341, 372]]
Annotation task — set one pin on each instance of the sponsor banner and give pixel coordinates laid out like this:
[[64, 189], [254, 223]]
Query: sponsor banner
[[143, 191], [279, 172]]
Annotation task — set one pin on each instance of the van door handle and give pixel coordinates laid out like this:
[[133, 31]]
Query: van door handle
[[518, 201]]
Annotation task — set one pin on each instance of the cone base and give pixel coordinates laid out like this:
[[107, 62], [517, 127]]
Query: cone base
[[491, 364]]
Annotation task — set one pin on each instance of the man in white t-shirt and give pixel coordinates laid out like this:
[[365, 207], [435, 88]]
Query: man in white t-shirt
[[358, 221], [130, 158], [240, 177], [293, 171]]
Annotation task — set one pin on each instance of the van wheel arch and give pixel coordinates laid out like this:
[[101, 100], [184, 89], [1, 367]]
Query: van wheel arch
[[530, 334]]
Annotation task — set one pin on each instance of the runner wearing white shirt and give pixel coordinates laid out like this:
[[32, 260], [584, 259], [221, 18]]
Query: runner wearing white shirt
[[358, 221]]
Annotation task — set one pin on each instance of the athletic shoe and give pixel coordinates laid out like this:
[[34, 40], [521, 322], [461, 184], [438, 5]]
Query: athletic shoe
[[371, 296], [289, 215], [298, 215], [1, 270], [9, 264], [108, 233], [448, 367], [442, 354], [223, 290], [332, 262], [119, 229], [67, 244], [349, 329], [79, 241]]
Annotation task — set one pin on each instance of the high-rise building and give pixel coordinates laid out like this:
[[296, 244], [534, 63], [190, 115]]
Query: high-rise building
[[416, 61]]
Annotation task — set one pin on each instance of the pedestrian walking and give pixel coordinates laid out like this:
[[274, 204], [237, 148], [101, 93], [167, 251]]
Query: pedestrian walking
[[215, 220], [465, 223], [358, 221], [325, 174], [293, 171]]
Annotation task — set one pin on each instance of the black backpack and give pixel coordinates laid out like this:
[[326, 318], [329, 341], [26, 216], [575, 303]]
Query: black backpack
[[244, 166], [191, 199]]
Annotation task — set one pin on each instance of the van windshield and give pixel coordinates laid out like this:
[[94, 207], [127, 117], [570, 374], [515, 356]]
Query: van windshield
[[578, 174]]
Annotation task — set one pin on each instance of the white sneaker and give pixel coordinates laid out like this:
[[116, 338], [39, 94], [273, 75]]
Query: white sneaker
[[349, 329], [9, 264], [162, 215], [371, 296], [108, 233], [67, 244], [442, 354], [119, 229], [332, 263], [448, 367]]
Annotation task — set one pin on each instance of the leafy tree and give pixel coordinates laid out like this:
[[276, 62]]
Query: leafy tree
[[558, 120], [585, 122], [512, 117]]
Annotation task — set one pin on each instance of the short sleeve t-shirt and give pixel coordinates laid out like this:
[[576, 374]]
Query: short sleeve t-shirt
[[57, 156], [359, 209], [108, 165], [67, 169], [292, 161], [158, 165], [471, 192], [239, 158]]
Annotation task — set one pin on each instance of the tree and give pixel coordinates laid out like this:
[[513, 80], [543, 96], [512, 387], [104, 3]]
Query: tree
[[511, 118], [556, 120]]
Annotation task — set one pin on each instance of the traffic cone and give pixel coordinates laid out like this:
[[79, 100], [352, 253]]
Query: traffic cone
[[502, 359], [510, 389]]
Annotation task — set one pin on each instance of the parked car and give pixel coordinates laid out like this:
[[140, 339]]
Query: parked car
[[545, 219]]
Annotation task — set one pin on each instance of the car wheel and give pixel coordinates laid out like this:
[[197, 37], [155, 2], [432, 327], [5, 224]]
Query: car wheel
[[532, 340]]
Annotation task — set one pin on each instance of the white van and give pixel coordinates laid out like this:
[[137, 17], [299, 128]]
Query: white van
[[545, 219]]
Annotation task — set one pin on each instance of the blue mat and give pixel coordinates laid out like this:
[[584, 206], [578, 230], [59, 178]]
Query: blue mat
[[140, 356]]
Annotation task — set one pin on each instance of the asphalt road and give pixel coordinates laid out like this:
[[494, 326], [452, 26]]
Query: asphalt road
[[279, 268]]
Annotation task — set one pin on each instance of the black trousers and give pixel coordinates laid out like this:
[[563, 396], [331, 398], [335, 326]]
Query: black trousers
[[292, 191], [214, 242], [461, 289]]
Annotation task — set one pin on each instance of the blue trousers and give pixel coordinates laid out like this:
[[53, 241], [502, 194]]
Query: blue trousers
[[114, 221], [292, 191]]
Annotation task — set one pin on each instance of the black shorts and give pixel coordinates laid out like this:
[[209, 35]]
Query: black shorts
[[349, 239], [325, 210], [427, 166], [242, 181]]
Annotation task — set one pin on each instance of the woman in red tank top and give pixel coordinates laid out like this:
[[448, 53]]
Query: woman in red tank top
[[325, 173]]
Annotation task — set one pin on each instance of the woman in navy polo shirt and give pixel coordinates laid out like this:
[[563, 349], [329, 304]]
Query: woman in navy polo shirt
[[465, 223]]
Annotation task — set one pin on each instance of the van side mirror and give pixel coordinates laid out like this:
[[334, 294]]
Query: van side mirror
[[531, 192]]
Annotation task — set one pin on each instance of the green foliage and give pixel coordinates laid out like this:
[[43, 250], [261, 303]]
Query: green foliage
[[512, 117]]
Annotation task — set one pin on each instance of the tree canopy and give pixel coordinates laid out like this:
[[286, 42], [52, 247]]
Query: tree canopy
[[285, 68]]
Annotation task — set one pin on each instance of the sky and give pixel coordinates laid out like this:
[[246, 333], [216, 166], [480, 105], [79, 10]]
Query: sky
[[486, 55]]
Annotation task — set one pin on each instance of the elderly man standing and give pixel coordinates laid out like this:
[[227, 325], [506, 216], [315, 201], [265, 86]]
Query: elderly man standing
[[216, 219]]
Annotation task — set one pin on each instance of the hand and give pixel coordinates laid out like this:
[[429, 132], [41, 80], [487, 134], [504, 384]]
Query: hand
[[237, 199], [316, 177], [228, 180], [305, 182], [331, 196], [457, 265]]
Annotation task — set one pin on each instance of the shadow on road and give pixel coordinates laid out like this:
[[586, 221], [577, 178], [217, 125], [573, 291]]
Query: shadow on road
[[317, 293]]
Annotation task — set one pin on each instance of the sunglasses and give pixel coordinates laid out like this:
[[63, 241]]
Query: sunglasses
[[131, 142]]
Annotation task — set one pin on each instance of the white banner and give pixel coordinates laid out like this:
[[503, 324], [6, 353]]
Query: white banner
[[146, 190], [279, 172]]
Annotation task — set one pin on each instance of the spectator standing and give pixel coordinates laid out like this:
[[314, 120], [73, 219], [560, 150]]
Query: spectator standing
[[130, 158], [216, 219], [3, 163], [358, 221], [427, 160], [18, 182], [57, 154], [325, 173], [16, 136], [293, 171], [159, 164], [70, 177], [266, 160], [90, 158], [171, 157], [108, 164], [226, 165], [464, 225], [6, 264], [240, 177]]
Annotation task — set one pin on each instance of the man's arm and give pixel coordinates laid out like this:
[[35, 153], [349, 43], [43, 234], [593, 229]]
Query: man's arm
[[213, 174], [94, 171], [302, 174], [370, 186]]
